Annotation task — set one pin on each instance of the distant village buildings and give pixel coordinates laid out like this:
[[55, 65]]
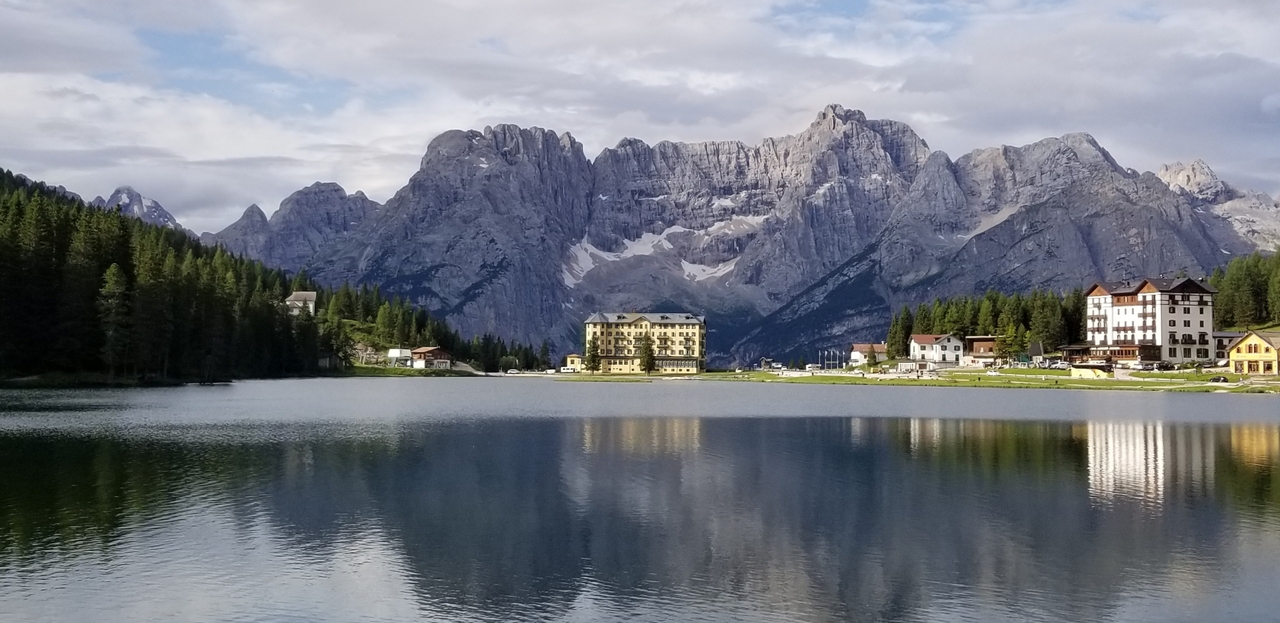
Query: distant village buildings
[[937, 349], [678, 340], [1256, 352], [431, 358], [858, 353], [1151, 320], [1126, 323]]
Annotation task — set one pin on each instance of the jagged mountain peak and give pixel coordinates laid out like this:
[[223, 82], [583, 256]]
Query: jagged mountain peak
[[836, 113], [1196, 180], [254, 213], [133, 203]]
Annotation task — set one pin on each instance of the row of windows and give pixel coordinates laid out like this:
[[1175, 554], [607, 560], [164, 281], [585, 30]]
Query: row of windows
[[1201, 353], [1267, 367], [1254, 349]]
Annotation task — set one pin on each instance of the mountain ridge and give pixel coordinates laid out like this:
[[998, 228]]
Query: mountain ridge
[[514, 231]]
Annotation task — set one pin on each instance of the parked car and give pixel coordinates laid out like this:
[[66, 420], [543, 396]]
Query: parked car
[[1165, 366], [1219, 379], [1222, 363], [513, 371]]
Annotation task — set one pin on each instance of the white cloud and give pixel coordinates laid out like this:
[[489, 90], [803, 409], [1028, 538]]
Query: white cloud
[[1154, 82]]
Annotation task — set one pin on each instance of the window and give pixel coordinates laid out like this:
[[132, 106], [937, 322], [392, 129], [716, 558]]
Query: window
[[957, 348], [1253, 367], [1173, 310], [1173, 323], [1202, 353], [1186, 353], [1186, 323], [1201, 311], [1201, 324], [1186, 310]]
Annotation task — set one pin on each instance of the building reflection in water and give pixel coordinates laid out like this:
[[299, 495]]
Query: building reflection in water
[[642, 436], [808, 519]]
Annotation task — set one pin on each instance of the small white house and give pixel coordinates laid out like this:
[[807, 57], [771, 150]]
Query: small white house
[[939, 349], [858, 353], [400, 358], [299, 301]]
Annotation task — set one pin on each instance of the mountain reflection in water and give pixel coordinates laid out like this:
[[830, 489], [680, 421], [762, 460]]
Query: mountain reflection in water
[[646, 519]]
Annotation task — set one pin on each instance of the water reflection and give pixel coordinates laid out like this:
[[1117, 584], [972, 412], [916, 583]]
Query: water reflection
[[651, 519]]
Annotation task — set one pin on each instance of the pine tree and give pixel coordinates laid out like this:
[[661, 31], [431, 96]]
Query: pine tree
[[648, 361], [894, 338], [591, 361], [986, 317], [113, 314], [1273, 290]]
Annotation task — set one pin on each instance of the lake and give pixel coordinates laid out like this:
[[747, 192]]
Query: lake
[[534, 500]]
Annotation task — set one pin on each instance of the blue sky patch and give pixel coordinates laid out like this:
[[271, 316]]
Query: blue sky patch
[[206, 63]]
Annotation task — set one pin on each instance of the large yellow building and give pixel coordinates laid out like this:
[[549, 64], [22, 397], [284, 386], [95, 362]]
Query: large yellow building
[[1256, 353], [679, 341]]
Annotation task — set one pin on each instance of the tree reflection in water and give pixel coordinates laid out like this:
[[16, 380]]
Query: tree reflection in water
[[814, 519]]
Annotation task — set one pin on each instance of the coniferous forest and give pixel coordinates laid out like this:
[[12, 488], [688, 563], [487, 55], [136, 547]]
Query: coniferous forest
[[1044, 317], [84, 290]]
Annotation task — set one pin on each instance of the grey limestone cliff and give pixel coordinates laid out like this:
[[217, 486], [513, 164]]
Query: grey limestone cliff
[[308, 221], [800, 242]]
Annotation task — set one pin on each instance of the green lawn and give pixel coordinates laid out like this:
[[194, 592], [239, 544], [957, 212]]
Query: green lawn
[[1186, 376], [1275, 326], [1016, 372]]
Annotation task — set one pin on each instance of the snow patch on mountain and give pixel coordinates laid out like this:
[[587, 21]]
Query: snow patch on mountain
[[584, 256]]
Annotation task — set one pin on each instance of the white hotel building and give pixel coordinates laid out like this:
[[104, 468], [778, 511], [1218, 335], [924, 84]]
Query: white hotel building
[[1151, 320]]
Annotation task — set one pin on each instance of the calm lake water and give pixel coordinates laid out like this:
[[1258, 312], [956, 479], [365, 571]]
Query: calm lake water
[[533, 500]]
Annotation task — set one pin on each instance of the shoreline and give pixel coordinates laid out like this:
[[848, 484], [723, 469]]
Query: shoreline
[[950, 379], [1001, 381]]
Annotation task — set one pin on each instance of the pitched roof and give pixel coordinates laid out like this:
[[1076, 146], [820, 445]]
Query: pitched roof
[[652, 317], [422, 350], [1126, 288], [1270, 337], [922, 338], [862, 348], [301, 297]]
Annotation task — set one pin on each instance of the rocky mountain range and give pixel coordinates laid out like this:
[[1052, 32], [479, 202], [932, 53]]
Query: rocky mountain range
[[132, 203], [800, 242]]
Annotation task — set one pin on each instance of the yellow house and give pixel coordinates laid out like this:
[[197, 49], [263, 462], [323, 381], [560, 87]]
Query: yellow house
[[1256, 353], [573, 362], [679, 341]]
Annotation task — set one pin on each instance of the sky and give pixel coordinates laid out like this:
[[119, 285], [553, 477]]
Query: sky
[[211, 106]]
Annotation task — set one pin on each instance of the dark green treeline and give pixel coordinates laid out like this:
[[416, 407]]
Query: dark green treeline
[[1047, 318], [89, 290], [1248, 292]]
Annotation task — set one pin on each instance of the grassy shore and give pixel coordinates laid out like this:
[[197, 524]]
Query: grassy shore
[[606, 378], [367, 371], [1024, 379], [64, 380]]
